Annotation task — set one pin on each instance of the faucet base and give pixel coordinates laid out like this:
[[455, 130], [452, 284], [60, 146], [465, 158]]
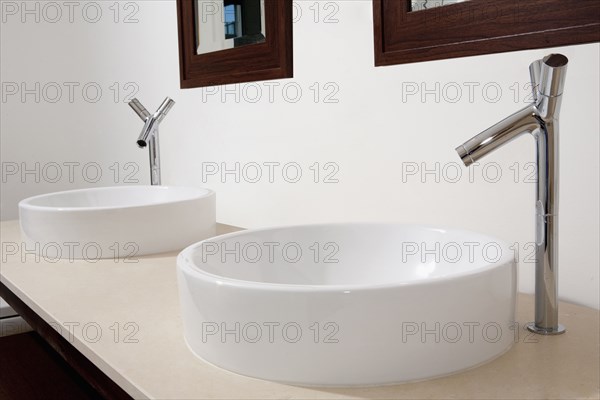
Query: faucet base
[[532, 327]]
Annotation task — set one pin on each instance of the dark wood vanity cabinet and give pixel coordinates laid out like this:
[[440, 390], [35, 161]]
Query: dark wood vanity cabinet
[[475, 27]]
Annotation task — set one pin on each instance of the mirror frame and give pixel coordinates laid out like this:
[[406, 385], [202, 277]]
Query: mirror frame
[[271, 59], [477, 27]]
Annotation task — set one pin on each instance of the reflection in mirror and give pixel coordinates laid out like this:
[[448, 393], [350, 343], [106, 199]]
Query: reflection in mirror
[[225, 24], [419, 5]]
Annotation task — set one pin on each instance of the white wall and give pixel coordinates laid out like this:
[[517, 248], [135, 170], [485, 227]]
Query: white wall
[[371, 133]]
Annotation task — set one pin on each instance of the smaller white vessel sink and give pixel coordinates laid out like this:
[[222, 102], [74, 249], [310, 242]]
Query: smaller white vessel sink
[[111, 222], [348, 304]]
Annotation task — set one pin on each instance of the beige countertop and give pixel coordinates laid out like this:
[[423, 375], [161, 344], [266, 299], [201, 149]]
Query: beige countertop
[[125, 318]]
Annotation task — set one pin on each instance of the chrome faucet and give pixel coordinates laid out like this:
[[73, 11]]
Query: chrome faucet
[[149, 133], [540, 119]]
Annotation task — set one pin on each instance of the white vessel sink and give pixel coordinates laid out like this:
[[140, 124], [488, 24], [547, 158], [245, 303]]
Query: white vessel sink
[[124, 221], [348, 304]]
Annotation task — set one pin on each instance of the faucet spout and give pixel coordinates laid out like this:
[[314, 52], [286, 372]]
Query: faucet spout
[[541, 120], [523, 121], [149, 129]]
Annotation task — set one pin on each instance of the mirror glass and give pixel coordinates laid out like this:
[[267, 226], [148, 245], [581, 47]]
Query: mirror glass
[[225, 24], [418, 5]]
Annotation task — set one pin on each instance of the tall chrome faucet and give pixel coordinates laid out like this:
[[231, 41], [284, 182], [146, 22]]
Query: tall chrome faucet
[[149, 133], [540, 119]]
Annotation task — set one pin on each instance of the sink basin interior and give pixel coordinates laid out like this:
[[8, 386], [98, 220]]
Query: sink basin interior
[[361, 255], [115, 197]]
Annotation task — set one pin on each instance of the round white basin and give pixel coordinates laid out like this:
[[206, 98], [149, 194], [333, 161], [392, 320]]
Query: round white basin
[[348, 304], [116, 222]]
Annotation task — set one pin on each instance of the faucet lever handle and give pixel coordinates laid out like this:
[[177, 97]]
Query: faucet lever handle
[[535, 70], [139, 109], [548, 76], [164, 108]]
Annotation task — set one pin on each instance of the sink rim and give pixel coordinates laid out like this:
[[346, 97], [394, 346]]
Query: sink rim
[[185, 264], [200, 193]]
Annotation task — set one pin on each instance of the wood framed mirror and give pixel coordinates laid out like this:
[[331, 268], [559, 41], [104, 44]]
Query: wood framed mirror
[[408, 31], [233, 41]]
